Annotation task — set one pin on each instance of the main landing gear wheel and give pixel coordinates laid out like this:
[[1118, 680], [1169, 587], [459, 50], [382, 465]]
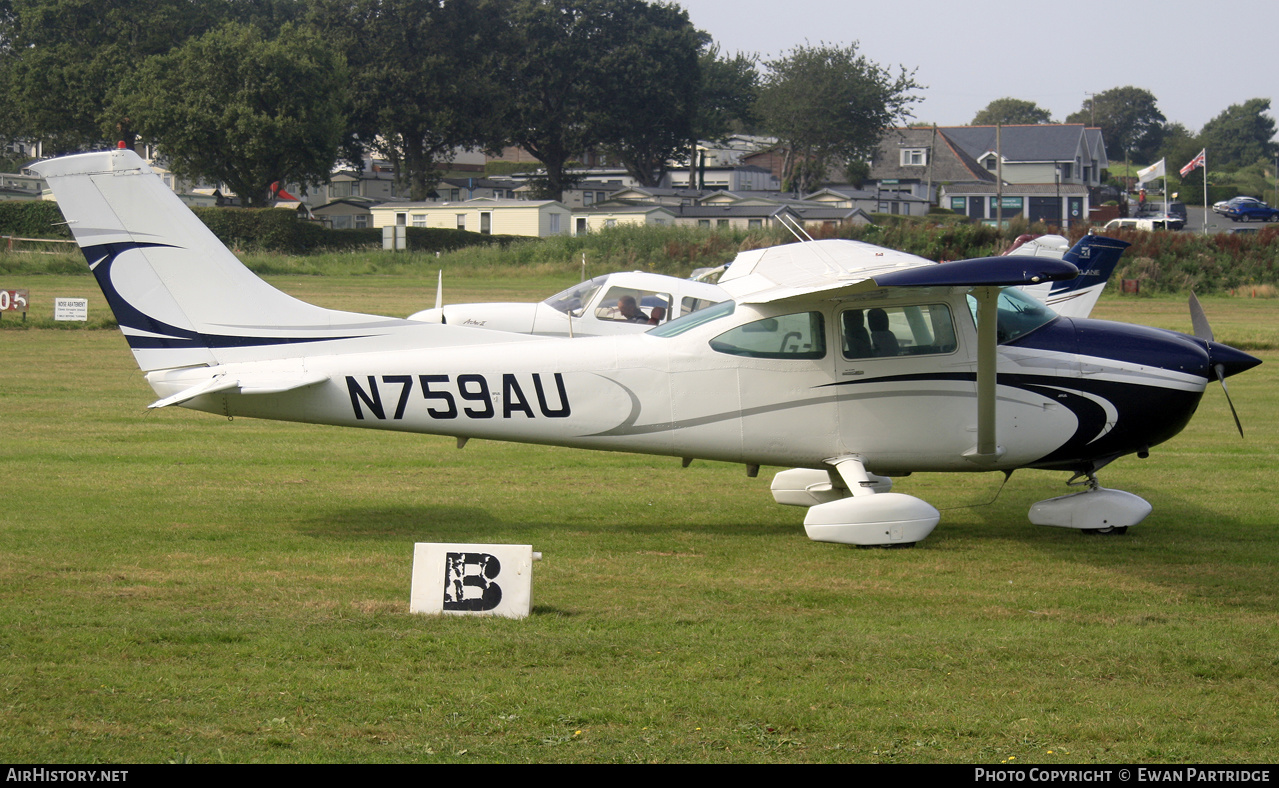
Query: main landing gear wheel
[[1114, 530]]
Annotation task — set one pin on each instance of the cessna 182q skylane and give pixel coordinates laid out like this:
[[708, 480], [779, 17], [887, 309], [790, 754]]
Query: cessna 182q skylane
[[844, 362]]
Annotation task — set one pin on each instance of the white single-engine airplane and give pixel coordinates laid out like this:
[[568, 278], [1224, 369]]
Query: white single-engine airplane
[[845, 362], [626, 302], [598, 307]]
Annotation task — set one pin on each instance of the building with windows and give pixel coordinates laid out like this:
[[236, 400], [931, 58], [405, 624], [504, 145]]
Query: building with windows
[[535, 218], [1045, 172]]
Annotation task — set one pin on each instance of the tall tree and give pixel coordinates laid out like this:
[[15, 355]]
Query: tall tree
[[578, 68], [728, 91], [1179, 146], [829, 105], [1129, 119], [1012, 111], [240, 109], [423, 80], [61, 61], [1241, 135], [651, 77]]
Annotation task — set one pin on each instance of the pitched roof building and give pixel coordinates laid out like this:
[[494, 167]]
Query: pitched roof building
[[1041, 172]]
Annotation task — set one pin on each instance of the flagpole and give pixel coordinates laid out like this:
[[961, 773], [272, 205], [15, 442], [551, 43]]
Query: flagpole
[[1205, 155]]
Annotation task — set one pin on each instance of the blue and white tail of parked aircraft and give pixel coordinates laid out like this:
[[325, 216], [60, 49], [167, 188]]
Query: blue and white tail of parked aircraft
[[846, 363], [1094, 255]]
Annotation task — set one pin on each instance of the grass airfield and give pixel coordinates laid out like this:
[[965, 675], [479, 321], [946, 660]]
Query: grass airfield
[[179, 587]]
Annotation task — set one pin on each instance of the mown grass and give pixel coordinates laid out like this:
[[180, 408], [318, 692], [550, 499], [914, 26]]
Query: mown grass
[[179, 587]]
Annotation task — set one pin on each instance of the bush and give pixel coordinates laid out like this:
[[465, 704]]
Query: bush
[[32, 219], [276, 230]]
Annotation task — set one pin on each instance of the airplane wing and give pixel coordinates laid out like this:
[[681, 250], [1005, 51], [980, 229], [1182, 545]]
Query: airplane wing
[[836, 268]]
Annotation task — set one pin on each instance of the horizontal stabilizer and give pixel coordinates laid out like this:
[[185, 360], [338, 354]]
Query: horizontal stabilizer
[[247, 386]]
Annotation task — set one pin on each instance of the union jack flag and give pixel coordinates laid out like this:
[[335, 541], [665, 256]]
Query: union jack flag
[[1198, 161]]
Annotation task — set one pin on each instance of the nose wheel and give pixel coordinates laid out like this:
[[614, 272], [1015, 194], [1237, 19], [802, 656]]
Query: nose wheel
[[1094, 510]]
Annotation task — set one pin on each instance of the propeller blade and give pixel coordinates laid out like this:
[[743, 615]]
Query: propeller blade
[[1203, 331], [1198, 319], [1221, 376]]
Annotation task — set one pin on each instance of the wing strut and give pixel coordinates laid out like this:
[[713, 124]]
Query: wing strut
[[988, 449]]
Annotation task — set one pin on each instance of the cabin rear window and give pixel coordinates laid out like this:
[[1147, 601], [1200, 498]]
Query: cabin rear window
[[798, 336], [916, 330]]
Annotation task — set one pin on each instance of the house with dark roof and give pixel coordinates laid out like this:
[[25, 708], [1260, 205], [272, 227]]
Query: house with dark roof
[[1041, 172], [1044, 153]]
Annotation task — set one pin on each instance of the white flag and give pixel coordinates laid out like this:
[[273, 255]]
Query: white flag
[[1152, 172]]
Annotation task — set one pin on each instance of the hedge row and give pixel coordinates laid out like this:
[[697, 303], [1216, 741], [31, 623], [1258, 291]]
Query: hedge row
[[32, 219], [249, 230], [256, 230]]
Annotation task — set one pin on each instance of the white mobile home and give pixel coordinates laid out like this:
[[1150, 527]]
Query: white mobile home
[[535, 218]]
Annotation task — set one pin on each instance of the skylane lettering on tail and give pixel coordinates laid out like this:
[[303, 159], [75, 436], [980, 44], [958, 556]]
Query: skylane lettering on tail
[[843, 362]]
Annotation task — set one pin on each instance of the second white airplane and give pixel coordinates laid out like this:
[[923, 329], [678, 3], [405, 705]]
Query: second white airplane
[[629, 302]]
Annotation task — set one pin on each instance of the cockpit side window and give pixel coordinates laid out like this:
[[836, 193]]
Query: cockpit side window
[[798, 336], [631, 305]]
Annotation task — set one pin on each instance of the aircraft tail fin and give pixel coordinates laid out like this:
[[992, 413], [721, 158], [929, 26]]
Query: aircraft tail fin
[[1096, 257], [180, 296]]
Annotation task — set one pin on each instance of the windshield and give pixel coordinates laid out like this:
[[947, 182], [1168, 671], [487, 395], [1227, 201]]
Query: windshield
[[1019, 314], [572, 300]]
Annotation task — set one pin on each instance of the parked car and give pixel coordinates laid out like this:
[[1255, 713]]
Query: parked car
[[1251, 211], [1246, 209], [1225, 206], [1175, 216], [1148, 223]]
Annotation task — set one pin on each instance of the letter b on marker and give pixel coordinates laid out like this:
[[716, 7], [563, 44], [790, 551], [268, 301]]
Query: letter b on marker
[[472, 579]]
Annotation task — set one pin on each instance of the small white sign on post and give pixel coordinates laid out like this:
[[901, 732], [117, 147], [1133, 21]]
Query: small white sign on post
[[473, 579], [71, 309]]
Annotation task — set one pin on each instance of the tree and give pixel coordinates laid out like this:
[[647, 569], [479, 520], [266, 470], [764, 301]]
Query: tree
[[1129, 119], [828, 106], [1012, 111], [653, 84], [1241, 135], [728, 89], [425, 88], [584, 74], [1179, 146], [234, 107], [727, 92], [63, 60]]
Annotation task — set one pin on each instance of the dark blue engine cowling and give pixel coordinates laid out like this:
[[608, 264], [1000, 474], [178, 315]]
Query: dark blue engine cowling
[[1144, 415]]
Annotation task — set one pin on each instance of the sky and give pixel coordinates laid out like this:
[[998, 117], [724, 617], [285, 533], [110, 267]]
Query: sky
[[1196, 58]]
